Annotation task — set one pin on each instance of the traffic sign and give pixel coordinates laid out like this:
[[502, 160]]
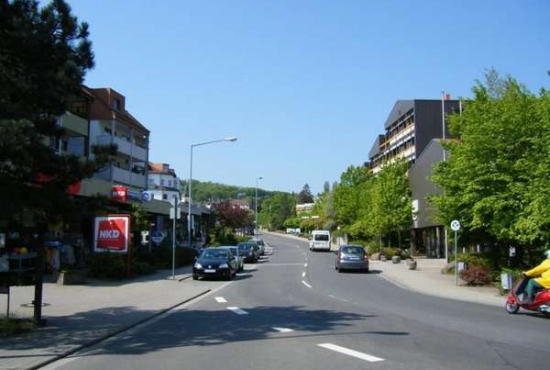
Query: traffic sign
[[157, 237], [455, 225]]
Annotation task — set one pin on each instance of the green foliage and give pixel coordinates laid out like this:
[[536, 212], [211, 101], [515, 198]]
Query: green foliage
[[472, 259], [373, 207], [305, 196], [226, 238], [390, 252], [108, 266], [15, 326], [277, 209], [496, 179], [213, 192]]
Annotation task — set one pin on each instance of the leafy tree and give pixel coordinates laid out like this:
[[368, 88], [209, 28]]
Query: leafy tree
[[276, 210], [44, 55], [496, 181], [230, 216], [305, 196]]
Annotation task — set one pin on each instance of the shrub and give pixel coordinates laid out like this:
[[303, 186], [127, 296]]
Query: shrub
[[476, 275], [14, 326], [108, 265], [474, 259]]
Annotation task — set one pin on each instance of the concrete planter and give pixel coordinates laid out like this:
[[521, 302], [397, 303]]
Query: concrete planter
[[71, 278], [396, 259], [383, 258], [411, 264]]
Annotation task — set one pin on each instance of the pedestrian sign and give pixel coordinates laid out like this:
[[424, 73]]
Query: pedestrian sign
[[455, 225]]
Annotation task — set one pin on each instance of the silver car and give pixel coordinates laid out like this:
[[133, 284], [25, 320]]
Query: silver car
[[352, 257], [238, 257]]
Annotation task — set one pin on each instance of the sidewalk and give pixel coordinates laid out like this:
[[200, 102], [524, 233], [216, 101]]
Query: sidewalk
[[79, 314], [427, 279]]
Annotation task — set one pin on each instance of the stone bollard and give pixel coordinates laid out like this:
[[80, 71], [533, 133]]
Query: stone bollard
[[396, 259], [383, 258], [411, 264]]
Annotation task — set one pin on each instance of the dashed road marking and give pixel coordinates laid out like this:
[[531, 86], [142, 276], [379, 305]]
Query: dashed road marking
[[282, 330], [350, 352], [221, 300], [338, 298], [237, 310], [306, 284], [304, 274], [305, 264]]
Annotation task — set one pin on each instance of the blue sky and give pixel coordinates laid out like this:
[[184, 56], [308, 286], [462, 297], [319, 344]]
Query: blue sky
[[305, 85]]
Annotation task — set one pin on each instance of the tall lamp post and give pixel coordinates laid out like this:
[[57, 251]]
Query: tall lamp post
[[189, 217], [256, 207]]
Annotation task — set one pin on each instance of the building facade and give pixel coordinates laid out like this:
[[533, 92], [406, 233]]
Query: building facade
[[409, 128], [162, 182], [111, 123]]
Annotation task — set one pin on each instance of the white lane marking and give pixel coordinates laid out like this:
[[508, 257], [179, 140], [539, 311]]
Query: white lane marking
[[306, 284], [297, 246], [350, 352], [305, 264], [283, 330], [221, 300], [304, 274], [338, 298], [284, 264], [237, 310]]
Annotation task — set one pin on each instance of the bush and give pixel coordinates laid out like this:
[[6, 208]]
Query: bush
[[9, 327], [390, 252], [476, 275], [474, 259], [108, 265]]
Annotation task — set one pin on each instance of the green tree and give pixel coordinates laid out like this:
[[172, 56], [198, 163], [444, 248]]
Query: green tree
[[496, 181], [305, 196], [44, 55]]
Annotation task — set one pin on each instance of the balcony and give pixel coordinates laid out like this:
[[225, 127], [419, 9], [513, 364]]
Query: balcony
[[124, 146], [129, 178]]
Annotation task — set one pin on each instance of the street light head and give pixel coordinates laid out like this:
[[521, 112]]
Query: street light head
[[260, 178], [231, 138]]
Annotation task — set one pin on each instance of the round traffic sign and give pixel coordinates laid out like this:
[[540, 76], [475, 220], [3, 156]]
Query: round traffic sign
[[455, 225]]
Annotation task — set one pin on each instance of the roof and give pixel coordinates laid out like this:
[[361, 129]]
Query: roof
[[401, 107], [161, 168]]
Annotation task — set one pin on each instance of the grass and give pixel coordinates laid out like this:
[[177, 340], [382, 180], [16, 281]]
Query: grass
[[14, 326]]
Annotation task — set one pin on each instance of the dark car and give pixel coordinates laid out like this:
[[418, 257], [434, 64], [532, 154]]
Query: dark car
[[250, 251], [352, 257], [215, 262], [260, 244]]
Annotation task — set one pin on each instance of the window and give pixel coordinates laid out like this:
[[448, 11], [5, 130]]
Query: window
[[170, 183], [164, 196], [161, 182], [116, 104]]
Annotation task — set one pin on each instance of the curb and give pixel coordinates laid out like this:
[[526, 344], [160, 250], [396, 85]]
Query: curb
[[112, 334]]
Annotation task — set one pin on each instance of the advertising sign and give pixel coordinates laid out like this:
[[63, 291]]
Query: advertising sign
[[112, 233], [119, 193]]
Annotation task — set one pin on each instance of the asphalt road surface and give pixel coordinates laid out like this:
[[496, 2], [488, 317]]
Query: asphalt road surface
[[292, 310]]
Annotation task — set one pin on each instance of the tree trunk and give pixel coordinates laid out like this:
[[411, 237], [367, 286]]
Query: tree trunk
[[38, 280]]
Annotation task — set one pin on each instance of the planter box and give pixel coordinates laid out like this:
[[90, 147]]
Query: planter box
[[71, 278]]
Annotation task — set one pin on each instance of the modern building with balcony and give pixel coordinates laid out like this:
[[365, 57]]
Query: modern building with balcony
[[409, 128], [162, 182], [111, 123]]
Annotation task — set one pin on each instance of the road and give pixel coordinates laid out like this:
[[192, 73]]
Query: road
[[292, 310]]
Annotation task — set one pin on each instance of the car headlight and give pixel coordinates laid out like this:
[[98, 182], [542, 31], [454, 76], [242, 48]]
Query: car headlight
[[224, 266], [250, 253], [198, 265]]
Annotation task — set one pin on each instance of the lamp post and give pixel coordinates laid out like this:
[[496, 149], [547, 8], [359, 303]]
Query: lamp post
[[189, 217], [256, 207]]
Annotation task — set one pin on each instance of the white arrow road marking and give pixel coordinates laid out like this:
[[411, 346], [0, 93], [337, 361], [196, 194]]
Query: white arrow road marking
[[221, 300], [304, 274], [306, 284], [350, 352], [237, 310], [283, 330]]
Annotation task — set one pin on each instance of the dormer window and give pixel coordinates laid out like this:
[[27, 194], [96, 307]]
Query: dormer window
[[116, 104]]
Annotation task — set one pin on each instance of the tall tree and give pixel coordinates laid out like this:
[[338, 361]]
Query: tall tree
[[44, 55], [496, 180], [305, 196]]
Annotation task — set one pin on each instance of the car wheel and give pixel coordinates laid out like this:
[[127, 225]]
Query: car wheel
[[195, 277], [367, 270], [339, 270]]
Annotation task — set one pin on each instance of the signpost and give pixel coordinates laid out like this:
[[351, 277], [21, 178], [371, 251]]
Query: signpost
[[175, 213], [455, 226]]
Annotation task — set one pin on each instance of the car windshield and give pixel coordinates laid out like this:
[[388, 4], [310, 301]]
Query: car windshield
[[321, 238], [234, 250], [215, 253], [245, 246], [353, 250]]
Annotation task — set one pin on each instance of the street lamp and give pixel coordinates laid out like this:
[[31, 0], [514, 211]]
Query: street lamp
[[189, 217], [256, 207]]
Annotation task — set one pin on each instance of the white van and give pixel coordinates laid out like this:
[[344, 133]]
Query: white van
[[320, 240]]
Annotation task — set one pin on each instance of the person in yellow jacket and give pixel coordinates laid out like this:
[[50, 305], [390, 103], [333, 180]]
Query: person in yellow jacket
[[540, 277]]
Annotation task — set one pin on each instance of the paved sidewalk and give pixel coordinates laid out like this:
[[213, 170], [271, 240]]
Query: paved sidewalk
[[80, 314], [427, 279]]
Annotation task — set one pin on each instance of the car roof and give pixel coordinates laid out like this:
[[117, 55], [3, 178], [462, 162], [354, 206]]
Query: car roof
[[351, 245]]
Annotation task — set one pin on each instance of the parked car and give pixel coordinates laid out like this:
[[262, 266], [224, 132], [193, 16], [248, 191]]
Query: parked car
[[260, 243], [352, 257], [215, 262], [235, 252], [250, 251], [320, 240]]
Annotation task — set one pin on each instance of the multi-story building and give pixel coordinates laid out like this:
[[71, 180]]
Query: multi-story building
[[162, 182], [111, 123], [409, 128]]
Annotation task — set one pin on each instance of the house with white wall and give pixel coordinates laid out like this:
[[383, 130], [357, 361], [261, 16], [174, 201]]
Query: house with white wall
[[162, 182]]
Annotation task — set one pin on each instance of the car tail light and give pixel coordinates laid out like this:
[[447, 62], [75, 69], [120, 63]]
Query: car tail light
[[365, 257], [339, 255]]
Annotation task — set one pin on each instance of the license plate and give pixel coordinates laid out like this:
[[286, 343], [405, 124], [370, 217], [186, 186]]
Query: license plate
[[354, 258], [208, 271]]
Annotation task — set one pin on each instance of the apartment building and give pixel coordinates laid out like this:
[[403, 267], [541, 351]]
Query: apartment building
[[162, 182], [409, 128], [111, 123]]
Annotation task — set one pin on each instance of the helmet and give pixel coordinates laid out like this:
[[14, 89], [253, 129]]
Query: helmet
[[547, 253]]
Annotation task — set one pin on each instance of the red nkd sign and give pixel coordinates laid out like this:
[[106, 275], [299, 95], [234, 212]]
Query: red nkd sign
[[112, 233]]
